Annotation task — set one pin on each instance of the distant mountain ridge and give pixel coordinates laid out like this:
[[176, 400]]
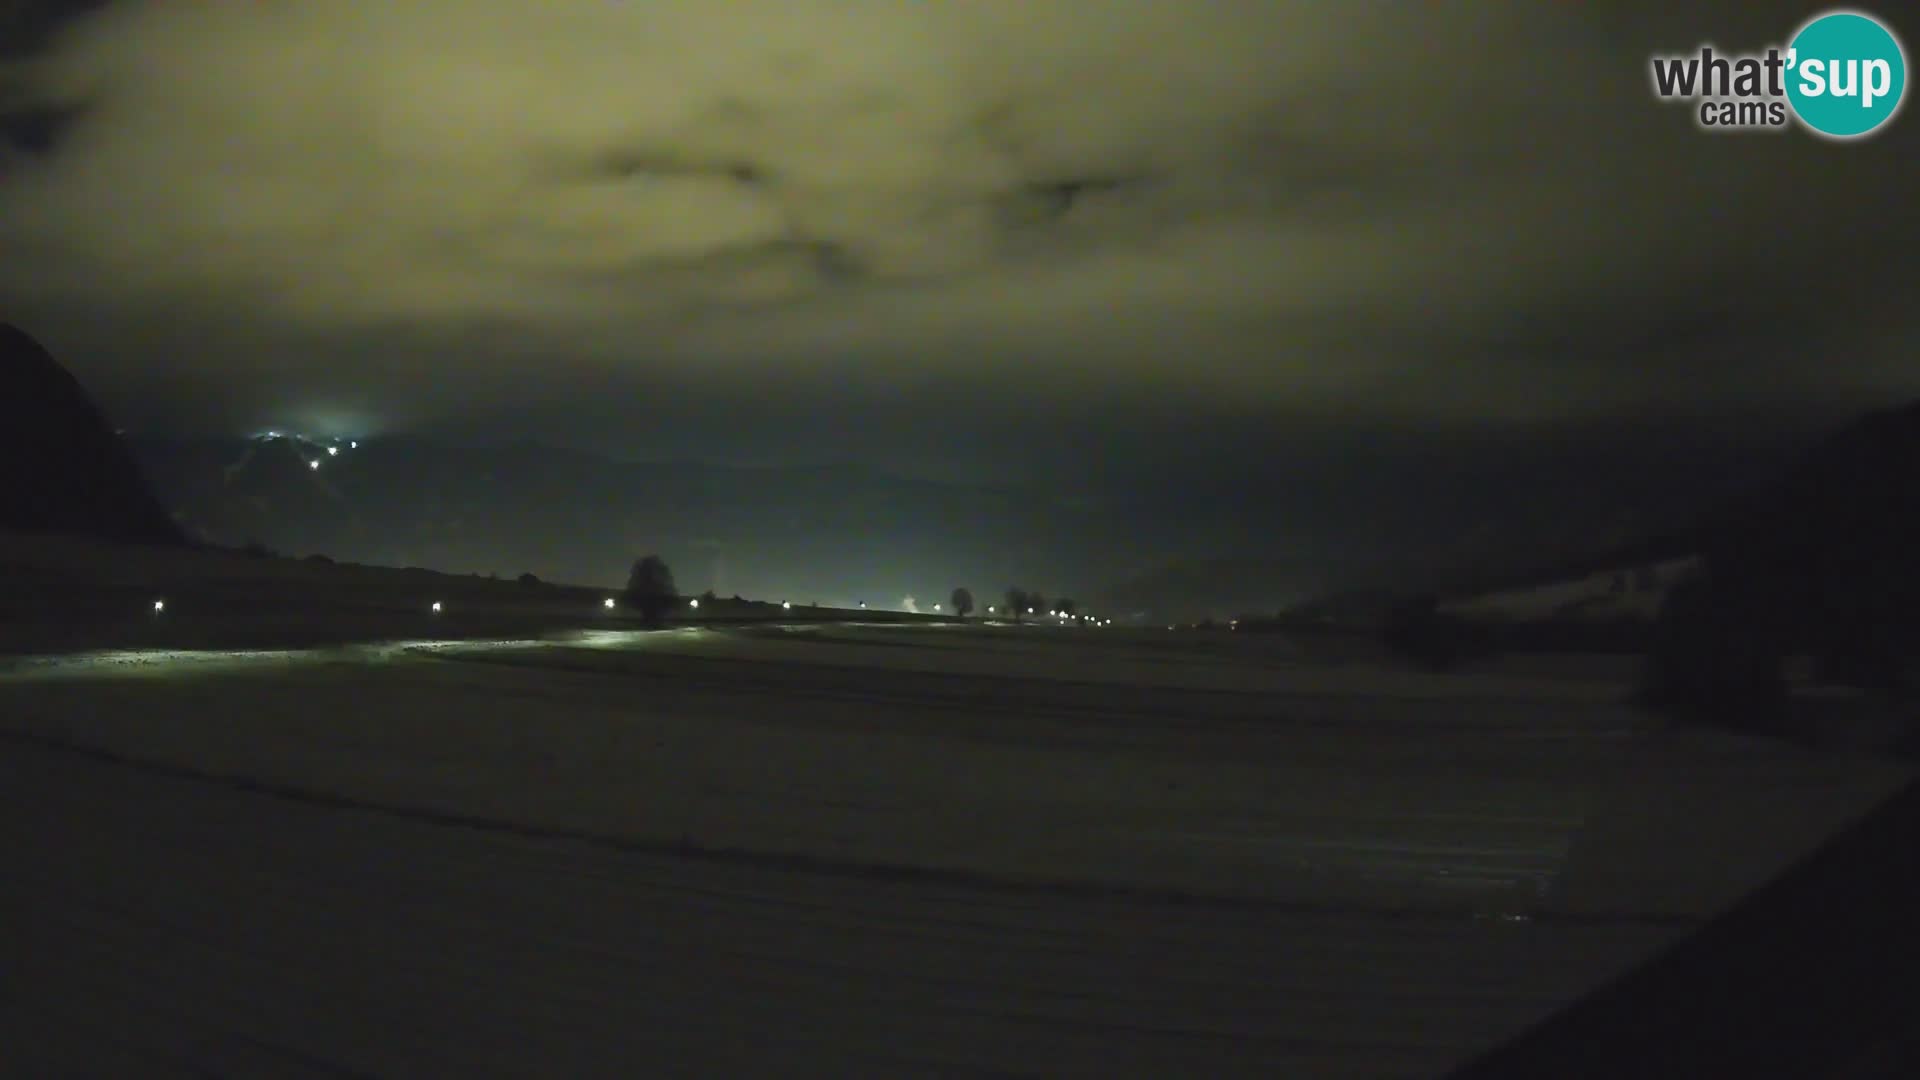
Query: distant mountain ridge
[[846, 533], [63, 468]]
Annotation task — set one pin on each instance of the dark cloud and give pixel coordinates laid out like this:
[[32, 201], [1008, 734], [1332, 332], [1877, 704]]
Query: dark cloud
[[1080, 226]]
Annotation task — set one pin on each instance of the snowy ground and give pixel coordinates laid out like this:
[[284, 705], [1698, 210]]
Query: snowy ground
[[860, 850]]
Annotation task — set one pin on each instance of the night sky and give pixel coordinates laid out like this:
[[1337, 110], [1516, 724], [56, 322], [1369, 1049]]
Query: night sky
[[1101, 244]]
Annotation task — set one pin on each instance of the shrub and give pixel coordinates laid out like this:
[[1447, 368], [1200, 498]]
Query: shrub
[[1716, 658], [650, 589], [529, 579], [1418, 631]]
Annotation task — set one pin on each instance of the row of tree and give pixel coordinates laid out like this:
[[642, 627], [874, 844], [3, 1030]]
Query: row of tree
[[1019, 603], [651, 591]]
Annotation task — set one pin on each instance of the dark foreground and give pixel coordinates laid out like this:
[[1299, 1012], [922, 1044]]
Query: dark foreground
[[848, 851]]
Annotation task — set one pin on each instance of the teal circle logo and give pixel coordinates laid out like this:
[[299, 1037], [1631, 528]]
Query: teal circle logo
[[1846, 74]]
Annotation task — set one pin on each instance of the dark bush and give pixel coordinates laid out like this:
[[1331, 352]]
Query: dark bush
[[324, 560], [1824, 563], [1418, 631], [650, 589], [529, 579], [254, 549], [1716, 658]]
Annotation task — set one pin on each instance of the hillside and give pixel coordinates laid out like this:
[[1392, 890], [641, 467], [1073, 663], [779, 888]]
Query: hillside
[[1839, 528], [63, 468]]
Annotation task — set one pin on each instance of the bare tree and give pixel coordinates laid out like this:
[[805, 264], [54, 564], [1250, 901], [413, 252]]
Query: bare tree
[[962, 601]]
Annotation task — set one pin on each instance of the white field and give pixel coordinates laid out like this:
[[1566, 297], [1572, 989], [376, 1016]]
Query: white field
[[852, 850]]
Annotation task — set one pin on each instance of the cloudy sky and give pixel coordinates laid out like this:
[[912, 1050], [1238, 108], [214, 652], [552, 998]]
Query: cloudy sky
[[986, 235]]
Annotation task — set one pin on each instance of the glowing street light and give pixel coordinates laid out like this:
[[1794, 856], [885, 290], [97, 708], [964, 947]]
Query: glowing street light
[[863, 605], [1029, 611], [936, 607], [159, 606], [786, 605], [313, 464], [353, 446], [989, 609], [608, 603], [435, 608], [694, 603], [333, 451]]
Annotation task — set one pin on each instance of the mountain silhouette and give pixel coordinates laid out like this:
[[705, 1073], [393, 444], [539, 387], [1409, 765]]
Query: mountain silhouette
[[63, 469]]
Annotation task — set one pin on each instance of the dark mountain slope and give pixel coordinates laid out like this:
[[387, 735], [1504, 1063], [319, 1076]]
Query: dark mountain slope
[[63, 469]]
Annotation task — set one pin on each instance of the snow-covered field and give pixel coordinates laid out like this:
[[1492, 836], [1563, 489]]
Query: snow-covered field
[[851, 850]]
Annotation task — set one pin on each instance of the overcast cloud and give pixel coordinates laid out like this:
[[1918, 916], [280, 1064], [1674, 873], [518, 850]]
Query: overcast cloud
[[403, 212]]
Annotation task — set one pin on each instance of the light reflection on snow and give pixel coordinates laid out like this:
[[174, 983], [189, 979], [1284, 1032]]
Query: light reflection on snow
[[148, 662], [621, 639], [159, 663]]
